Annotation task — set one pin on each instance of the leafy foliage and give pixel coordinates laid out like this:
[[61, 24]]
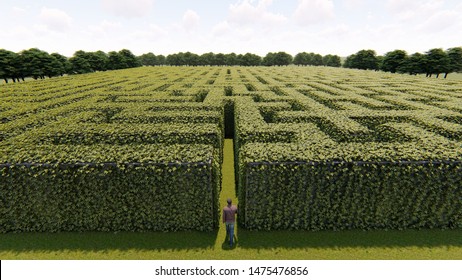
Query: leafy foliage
[[315, 148]]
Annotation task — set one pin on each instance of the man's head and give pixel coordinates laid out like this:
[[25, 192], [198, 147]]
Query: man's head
[[229, 201]]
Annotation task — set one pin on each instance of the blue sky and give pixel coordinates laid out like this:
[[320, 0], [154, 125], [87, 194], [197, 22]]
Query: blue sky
[[339, 27]]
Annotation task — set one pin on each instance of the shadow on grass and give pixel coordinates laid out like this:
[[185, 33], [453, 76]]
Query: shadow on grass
[[100, 241], [225, 245], [351, 238], [97, 241]]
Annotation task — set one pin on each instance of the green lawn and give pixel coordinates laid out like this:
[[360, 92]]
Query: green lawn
[[409, 244]]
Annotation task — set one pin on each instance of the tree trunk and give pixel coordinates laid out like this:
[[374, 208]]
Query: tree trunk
[[6, 80], [437, 75], [446, 75], [14, 80]]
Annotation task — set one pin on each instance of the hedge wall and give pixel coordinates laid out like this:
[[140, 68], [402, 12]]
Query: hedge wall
[[328, 194], [126, 190]]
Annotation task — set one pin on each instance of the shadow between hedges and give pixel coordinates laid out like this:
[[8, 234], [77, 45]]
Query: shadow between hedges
[[351, 238], [98, 241]]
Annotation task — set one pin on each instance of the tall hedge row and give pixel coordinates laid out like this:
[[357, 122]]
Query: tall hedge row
[[177, 190], [353, 195]]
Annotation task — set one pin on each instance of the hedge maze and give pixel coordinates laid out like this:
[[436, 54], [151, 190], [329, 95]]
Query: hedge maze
[[316, 149]]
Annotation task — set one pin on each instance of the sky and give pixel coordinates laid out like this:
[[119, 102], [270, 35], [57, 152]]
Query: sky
[[340, 27]]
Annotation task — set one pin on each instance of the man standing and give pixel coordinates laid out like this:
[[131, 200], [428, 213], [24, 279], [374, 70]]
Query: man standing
[[229, 218]]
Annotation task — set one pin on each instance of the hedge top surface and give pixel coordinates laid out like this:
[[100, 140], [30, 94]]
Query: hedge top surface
[[282, 113]]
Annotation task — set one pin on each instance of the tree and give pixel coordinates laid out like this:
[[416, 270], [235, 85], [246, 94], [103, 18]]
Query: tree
[[207, 59], [98, 60], [129, 60], [269, 59], [413, 64], [116, 61], [302, 58], [438, 62], [67, 66], [80, 63], [53, 67], [148, 59], [36, 63], [277, 59], [8, 67], [331, 60], [393, 60], [455, 61], [249, 59], [161, 59], [348, 63], [173, 59], [231, 59], [364, 59], [191, 59], [316, 60], [220, 59]]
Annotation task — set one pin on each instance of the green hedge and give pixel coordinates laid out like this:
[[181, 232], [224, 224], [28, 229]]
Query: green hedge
[[110, 188], [288, 186]]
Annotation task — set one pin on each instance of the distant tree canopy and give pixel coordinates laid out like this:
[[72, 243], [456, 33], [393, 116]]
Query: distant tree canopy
[[393, 61], [39, 64], [455, 61], [364, 59], [434, 61], [304, 58], [277, 59]]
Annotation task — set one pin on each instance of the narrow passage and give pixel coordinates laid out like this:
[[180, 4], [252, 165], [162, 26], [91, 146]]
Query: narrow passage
[[228, 190]]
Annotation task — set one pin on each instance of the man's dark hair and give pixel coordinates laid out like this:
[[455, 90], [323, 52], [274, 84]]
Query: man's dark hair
[[229, 200]]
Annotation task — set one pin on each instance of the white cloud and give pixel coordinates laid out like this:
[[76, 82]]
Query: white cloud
[[128, 8], [104, 28], [157, 30], [152, 33], [352, 4], [245, 13], [55, 20], [18, 11], [221, 29], [440, 21], [17, 33], [109, 25], [190, 20], [339, 31], [236, 34], [310, 12], [412, 9]]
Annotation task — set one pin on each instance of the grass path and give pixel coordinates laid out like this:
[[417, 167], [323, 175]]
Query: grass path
[[227, 191], [345, 245]]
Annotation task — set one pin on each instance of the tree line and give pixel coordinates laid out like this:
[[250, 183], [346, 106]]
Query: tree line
[[232, 59], [38, 64], [434, 61]]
